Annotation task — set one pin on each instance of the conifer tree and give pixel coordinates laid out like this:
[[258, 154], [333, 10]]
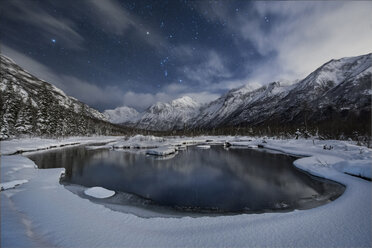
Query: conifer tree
[[24, 124]]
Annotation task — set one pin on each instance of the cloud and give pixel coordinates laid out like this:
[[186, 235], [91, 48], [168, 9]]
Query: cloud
[[103, 97], [93, 95], [111, 16], [313, 33], [205, 72], [34, 67], [115, 19], [296, 37], [202, 97], [141, 101], [48, 26]]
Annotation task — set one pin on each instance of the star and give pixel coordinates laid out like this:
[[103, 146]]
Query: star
[[147, 33], [266, 19], [54, 40]]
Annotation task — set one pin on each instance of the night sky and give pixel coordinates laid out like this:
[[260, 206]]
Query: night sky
[[110, 53]]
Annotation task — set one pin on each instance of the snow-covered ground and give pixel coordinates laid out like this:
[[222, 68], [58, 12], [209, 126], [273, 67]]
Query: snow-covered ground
[[161, 151], [99, 192], [43, 213], [14, 146]]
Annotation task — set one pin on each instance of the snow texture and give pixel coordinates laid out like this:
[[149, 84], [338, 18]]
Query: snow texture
[[345, 83], [161, 151], [14, 146], [25, 83], [11, 184], [122, 115], [99, 192], [43, 213], [140, 141], [203, 146], [168, 116]]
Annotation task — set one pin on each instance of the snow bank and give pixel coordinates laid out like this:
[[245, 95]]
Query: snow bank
[[42, 213], [141, 138], [11, 184], [99, 192], [361, 168], [140, 142], [161, 151], [15, 146], [203, 146], [343, 156], [248, 144], [98, 147]]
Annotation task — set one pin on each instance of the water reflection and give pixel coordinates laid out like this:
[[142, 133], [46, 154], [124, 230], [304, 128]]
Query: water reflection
[[235, 180]]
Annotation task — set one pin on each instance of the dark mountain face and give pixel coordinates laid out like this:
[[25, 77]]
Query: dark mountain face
[[336, 96], [30, 106], [335, 99]]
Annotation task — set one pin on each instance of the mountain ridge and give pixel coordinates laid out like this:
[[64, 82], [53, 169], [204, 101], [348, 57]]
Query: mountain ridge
[[30, 106], [335, 86]]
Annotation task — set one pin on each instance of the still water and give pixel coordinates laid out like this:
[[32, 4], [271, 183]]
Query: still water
[[216, 180]]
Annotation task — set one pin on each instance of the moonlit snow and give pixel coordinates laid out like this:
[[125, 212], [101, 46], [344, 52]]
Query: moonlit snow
[[43, 213], [161, 151], [203, 146], [11, 184], [99, 192]]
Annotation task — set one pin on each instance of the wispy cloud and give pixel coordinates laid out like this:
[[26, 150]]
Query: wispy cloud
[[118, 20], [111, 16], [48, 26], [147, 99], [103, 97], [297, 37], [109, 96], [210, 68]]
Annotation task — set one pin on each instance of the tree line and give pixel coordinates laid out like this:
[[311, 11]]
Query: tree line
[[47, 118]]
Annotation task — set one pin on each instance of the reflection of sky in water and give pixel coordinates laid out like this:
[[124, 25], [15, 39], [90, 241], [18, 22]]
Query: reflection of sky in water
[[232, 179]]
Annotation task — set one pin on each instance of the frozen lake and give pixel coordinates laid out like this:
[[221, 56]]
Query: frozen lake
[[212, 181]]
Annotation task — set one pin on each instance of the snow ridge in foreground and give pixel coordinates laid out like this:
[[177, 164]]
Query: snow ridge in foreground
[[57, 217]]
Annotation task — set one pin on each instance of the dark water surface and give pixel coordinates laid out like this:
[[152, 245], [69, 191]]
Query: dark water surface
[[213, 180]]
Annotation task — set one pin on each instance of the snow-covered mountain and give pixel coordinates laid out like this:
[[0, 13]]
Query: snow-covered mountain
[[122, 115], [342, 85], [34, 107], [339, 90], [169, 116], [27, 85]]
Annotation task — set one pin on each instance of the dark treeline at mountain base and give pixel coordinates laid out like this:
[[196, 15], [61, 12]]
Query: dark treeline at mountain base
[[344, 125], [49, 119], [311, 108]]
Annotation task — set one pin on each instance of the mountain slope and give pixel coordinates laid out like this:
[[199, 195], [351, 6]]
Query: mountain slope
[[34, 107], [122, 115], [169, 116], [339, 89], [336, 98]]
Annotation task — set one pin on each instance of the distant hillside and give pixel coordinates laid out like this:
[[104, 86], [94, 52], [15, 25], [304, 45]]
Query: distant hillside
[[335, 100], [30, 106]]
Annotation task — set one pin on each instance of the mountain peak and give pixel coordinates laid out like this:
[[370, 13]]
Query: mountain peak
[[184, 101], [122, 114]]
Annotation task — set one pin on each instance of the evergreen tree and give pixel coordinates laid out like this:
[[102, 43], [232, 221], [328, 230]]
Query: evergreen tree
[[24, 124], [44, 111], [10, 109]]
